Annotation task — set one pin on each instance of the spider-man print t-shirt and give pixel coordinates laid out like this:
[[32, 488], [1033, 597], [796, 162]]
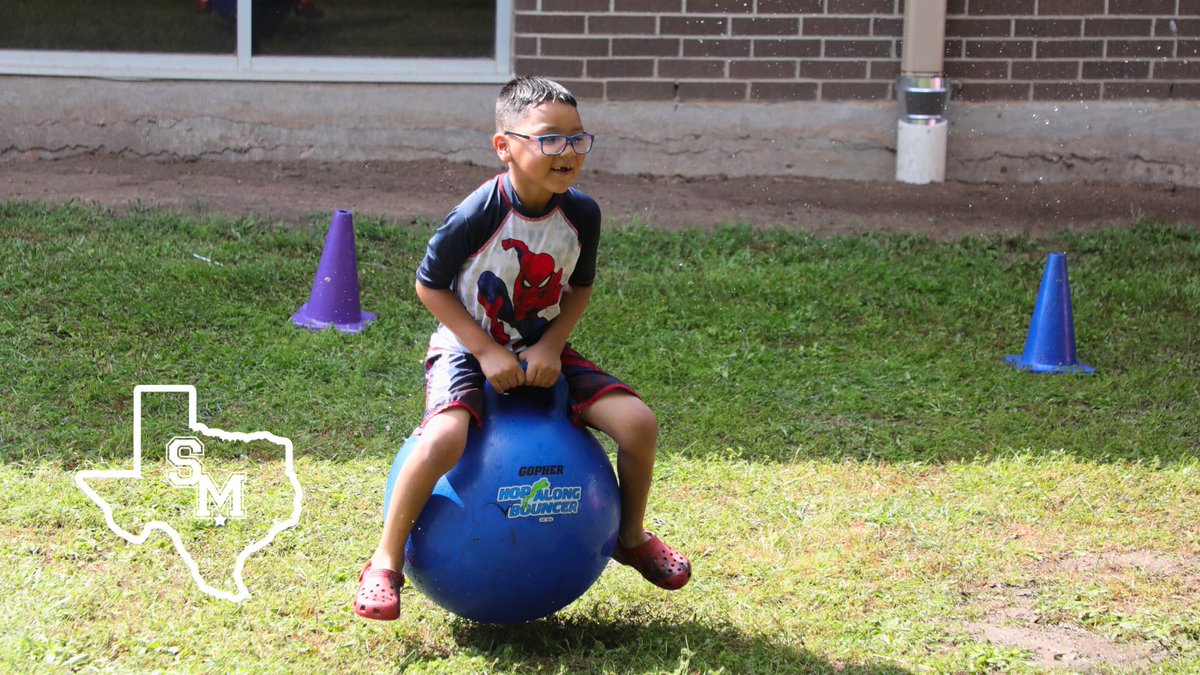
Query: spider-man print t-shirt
[[509, 266]]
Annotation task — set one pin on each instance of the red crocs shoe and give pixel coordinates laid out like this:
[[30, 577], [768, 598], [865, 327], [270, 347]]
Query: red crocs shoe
[[378, 595], [660, 564]]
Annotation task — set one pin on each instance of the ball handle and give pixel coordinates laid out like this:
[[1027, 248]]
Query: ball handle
[[555, 401]]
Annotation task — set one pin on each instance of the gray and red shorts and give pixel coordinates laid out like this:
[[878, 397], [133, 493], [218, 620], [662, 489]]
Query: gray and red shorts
[[454, 379]]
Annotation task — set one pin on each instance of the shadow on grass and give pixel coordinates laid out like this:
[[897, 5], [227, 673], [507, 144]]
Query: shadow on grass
[[627, 643]]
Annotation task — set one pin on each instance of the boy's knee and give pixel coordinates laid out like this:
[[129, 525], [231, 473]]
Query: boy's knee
[[442, 441], [640, 425]]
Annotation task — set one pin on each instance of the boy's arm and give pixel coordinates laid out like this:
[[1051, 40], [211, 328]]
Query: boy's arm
[[543, 361], [499, 365]]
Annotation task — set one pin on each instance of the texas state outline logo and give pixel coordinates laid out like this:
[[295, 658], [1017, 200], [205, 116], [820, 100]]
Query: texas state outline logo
[[202, 503]]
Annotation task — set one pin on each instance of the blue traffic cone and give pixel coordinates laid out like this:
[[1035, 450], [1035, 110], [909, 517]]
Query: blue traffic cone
[[334, 299], [1050, 346]]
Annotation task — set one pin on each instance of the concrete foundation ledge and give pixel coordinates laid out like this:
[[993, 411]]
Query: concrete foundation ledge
[[50, 117]]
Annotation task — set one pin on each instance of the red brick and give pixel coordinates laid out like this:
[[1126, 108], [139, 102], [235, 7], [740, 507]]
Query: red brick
[[671, 25], [791, 6], [1186, 7], [1066, 49], [719, 6], [1070, 7], [1049, 28], [1013, 91], [574, 47], [549, 67], [1177, 70], [826, 26], [626, 68], [655, 6], [1066, 91], [584, 89], [1143, 48], [525, 5], [1185, 27], [1117, 27], [712, 91], [1122, 90], [696, 69], [525, 46], [855, 91], [977, 70], [1045, 70], [542, 24], [979, 27], [574, 5], [783, 91], [645, 47], [1000, 7], [1187, 91], [786, 48], [716, 48], [778, 26], [884, 70], [762, 70], [953, 7], [887, 27], [861, 7], [1166, 7], [999, 49], [621, 24], [858, 48], [1187, 48], [640, 90], [833, 70], [1116, 70]]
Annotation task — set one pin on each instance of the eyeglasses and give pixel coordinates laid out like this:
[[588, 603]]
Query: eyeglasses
[[554, 145]]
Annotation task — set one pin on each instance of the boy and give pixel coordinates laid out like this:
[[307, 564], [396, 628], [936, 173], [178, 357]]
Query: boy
[[508, 275]]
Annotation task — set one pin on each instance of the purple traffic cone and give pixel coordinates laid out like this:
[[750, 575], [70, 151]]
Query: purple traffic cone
[[1050, 346], [334, 297]]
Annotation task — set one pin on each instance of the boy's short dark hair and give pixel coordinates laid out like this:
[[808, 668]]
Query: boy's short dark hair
[[523, 93]]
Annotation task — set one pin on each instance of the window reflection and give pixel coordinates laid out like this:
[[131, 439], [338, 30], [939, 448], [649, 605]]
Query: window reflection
[[362, 28], [174, 26], [386, 28]]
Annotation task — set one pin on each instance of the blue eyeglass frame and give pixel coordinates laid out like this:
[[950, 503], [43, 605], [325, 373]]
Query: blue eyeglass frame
[[570, 141]]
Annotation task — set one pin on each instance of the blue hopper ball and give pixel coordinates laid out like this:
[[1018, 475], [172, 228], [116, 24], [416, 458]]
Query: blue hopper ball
[[526, 521]]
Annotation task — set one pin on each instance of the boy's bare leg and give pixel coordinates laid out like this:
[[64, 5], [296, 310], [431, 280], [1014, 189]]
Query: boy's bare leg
[[440, 446], [629, 422]]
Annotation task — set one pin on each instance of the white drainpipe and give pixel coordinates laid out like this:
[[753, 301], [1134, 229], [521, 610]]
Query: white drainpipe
[[922, 90]]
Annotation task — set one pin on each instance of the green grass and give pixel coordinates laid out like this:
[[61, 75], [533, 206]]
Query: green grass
[[857, 476]]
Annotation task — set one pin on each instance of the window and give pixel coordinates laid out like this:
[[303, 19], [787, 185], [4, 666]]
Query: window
[[298, 40]]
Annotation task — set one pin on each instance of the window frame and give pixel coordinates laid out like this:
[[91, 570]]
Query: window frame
[[242, 66]]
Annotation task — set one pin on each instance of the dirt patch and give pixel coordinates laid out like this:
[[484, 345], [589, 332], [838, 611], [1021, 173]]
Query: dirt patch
[[1014, 620], [1147, 562], [302, 191], [1065, 646]]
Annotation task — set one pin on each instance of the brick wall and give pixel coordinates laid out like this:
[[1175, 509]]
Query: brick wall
[[838, 50]]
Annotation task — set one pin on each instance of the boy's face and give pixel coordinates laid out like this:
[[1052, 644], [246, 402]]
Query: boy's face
[[535, 176]]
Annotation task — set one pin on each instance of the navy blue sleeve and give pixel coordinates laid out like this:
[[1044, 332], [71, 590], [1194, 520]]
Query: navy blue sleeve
[[466, 229], [584, 214]]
